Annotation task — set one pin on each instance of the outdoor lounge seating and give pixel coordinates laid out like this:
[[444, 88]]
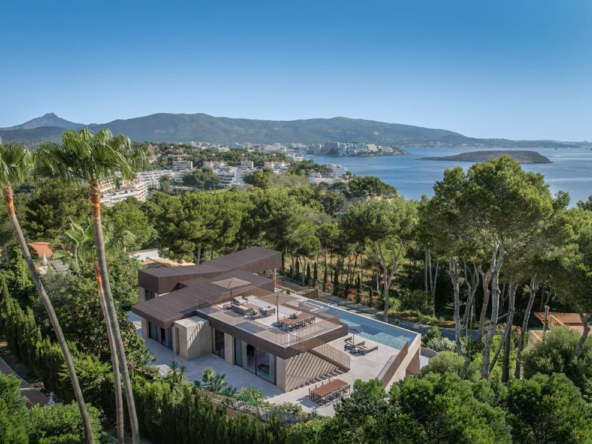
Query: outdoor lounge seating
[[269, 311], [351, 345], [362, 350]]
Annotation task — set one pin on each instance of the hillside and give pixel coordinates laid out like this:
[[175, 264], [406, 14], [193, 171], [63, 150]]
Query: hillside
[[47, 120], [32, 137], [202, 127], [205, 128], [482, 156]]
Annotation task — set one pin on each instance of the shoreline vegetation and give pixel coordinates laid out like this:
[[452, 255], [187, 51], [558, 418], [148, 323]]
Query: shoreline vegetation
[[522, 157]]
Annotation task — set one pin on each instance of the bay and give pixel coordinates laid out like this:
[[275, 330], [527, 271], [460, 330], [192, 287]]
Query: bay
[[570, 170]]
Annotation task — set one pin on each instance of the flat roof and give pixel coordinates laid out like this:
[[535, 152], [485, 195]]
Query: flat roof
[[166, 279], [165, 310]]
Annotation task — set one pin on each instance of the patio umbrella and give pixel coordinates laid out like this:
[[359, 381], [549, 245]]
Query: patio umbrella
[[278, 299], [357, 329]]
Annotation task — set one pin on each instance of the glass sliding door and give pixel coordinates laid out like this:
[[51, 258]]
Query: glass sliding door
[[255, 360], [265, 365], [251, 358], [218, 342], [238, 352], [166, 338], [153, 331]]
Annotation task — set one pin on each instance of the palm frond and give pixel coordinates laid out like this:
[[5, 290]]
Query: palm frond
[[16, 164]]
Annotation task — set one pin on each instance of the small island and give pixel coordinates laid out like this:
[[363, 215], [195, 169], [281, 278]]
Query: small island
[[482, 156]]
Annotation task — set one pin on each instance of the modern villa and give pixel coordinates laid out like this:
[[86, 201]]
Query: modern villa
[[231, 307]]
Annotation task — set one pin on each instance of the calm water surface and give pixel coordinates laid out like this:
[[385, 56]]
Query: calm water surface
[[570, 171]]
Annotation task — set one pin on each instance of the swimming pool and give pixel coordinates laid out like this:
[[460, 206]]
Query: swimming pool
[[370, 328]]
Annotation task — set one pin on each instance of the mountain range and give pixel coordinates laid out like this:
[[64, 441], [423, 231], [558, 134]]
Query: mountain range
[[165, 127]]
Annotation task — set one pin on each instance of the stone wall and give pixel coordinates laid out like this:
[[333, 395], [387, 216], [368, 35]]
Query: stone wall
[[194, 337]]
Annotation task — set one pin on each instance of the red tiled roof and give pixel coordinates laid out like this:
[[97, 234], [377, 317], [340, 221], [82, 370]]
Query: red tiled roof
[[42, 248]]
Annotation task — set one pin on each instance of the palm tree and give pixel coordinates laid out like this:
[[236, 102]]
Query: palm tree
[[16, 163], [80, 241], [211, 381], [94, 159]]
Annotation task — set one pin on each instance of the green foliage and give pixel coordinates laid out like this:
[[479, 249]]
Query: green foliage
[[418, 300], [212, 381], [433, 332], [311, 432], [259, 178], [555, 355], [16, 276], [450, 362], [202, 179], [52, 207], [441, 344], [129, 216], [444, 408], [61, 424], [174, 415], [548, 409], [251, 395], [368, 186], [13, 413]]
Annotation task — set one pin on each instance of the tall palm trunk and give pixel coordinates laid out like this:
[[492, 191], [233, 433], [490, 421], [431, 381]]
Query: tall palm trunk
[[115, 362], [95, 195], [9, 199]]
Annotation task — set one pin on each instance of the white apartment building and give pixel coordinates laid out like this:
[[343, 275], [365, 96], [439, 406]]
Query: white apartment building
[[136, 189], [182, 165], [152, 178], [277, 167]]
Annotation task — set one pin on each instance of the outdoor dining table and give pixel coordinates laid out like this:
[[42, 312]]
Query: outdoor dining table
[[319, 394], [299, 321]]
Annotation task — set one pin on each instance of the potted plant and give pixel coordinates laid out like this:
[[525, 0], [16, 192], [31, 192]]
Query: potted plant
[[294, 316]]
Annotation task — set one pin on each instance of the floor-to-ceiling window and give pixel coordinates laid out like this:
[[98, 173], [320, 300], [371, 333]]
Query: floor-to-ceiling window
[[153, 331], [265, 365], [218, 342], [161, 335], [255, 360], [166, 337]]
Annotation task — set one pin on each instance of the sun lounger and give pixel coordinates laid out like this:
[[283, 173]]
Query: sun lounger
[[352, 345], [364, 350]]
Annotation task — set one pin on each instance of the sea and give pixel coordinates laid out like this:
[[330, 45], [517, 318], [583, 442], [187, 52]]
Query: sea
[[570, 170]]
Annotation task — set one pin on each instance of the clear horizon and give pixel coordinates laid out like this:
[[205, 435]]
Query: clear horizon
[[516, 70]]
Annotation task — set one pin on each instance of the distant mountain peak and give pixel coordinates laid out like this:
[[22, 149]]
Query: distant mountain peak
[[48, 119]]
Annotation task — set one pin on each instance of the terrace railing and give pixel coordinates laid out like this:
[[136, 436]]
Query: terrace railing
[[333, 355], [393, 364]]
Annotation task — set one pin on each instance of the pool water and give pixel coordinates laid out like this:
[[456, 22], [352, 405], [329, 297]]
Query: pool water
[[368, 328]]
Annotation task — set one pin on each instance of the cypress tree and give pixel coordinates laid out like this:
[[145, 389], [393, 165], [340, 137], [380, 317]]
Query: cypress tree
[[315, 275], [308, 276]]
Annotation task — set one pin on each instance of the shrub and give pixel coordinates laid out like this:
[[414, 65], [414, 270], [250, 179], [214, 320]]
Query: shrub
[[548, 409], [310, 432], [450, 362], [554, 355], [251, 395], [61, 424], [13, 413], [441, 344], [433, 332], [417, 300]]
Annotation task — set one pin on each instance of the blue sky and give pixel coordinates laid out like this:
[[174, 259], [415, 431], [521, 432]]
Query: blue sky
[[515, 69]]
